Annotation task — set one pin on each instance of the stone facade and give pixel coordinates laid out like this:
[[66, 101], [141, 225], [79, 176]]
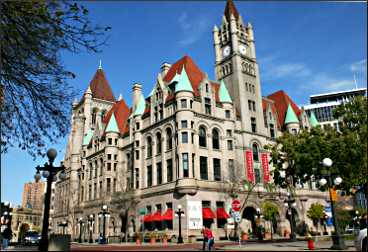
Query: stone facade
[[185, 142]]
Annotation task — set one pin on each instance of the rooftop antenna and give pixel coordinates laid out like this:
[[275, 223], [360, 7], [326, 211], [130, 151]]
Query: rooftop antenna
[[100, 66]]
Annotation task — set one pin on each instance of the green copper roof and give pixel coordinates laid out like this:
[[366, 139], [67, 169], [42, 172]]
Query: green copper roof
[[87, 137], [176, 78], [139, 110], [224, 94], [184, 82], [313, 120], [112, 126], [153, 90], [291, 116]]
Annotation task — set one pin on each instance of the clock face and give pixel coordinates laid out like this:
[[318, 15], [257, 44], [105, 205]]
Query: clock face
[[243, 49], [226, 51]]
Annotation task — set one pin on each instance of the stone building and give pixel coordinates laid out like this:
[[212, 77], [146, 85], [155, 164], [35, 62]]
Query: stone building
[[184, 144]]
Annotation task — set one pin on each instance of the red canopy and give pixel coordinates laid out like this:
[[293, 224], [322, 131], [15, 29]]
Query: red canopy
[[156, 216], [207, 213], [168, 215], [147, 218], [221, 213]]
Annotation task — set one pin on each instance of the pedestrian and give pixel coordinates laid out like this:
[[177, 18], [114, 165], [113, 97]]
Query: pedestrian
[[210, 238], [204, 238], [6, 235]]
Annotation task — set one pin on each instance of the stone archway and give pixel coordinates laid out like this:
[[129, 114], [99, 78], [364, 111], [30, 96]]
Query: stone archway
[[249, 213]]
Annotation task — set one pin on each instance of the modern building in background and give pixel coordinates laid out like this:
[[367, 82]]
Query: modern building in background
[[322, 105], [33, 195], [186, 143]]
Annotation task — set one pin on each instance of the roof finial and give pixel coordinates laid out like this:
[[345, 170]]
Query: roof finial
[[100, 66]]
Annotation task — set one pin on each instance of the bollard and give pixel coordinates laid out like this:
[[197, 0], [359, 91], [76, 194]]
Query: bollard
[[310, 244]]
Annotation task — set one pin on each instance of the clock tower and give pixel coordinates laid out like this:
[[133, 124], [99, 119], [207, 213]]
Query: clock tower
[[236, 64]]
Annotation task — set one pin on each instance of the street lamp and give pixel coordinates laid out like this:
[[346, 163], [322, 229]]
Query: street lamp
[[290, 204], [63, 224], [80, 221], [6, 214], [338, 241], [259, 216], [48, 172], [90, 220], [180, 212], [104, 214]]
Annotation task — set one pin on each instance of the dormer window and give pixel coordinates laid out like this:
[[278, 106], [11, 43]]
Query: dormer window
[[207, 89], [207, 105]]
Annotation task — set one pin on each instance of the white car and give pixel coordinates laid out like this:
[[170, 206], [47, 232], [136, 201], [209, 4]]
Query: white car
[[361, 240]]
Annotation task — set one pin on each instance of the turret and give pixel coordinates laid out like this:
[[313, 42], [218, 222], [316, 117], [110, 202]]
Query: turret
[[87, 108], [291, 121], [250, 36], [216, 44], [137, 92], [165, 68], [234, 33]]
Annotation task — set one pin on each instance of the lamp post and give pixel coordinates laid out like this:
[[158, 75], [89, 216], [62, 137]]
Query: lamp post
[[104, 214], [259, 216], [338, 241], [63, 224], [90, 221], [180, 212], [80, 221], [290, 203], [6, 213], [49, 172]]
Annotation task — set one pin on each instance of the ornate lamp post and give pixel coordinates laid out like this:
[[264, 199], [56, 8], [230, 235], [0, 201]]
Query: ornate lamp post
[[338, 241], [81, 222], [180, 212], [104, 214], [259, 216], [290, 204], [49, 172], [90, 221]]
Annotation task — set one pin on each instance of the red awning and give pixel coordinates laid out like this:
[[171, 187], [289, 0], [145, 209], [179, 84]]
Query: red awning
[[156, 216], [207, 213], [168, 215], [221, 213], [147, 218]]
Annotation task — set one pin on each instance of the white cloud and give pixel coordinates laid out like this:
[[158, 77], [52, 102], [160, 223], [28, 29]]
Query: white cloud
[[359, 66], [192, 28], [274, 70]]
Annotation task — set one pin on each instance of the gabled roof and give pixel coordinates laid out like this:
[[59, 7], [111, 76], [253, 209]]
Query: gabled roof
[[112, 126], [195, 75], [121, 114], [290, 116], [87, 137], [231, 9], [139, 110], [100, 87], [184, 83], [313, 120], [224, 94], [282, 101]]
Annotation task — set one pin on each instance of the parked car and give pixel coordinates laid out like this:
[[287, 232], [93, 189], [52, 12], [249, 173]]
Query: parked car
[[32, 238], [361, 240]]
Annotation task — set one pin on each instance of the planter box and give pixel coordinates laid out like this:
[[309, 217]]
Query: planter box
[[59, 242]]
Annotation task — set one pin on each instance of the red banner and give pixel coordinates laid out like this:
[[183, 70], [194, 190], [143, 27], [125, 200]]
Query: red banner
[[249, 166], [266, 168]]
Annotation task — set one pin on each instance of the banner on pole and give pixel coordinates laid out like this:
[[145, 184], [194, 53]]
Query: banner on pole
[[249, 166], [266, 168]]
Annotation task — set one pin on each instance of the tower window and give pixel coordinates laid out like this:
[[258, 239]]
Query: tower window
[[255, 152], [215, 139], [253, 124], [272, 130], [185, 165], [184, 124], [168, 139], [207, 89], [207, 105], [183, 103], [229, 145], [184, 137], [158, 139], [202, 137], [227, 114]]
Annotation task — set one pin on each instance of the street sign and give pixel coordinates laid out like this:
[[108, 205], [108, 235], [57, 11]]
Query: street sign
[[235, 205], [142, 211], [236, 216]]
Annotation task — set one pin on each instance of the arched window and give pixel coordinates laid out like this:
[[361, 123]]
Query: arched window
[[94, 116], [255, 152], [168, 139], [202, 137], [103, 112], [158, 139], [215, 139], [149, 147]]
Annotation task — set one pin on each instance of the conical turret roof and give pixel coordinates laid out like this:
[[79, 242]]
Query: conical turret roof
[[224, 94], [290, 116], [112, 126], [184, 83], [100, 87], [139, 110], [87, 137], [313, 120], [231, 9]]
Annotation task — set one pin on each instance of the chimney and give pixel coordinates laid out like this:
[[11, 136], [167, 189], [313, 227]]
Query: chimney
[[165, 68], [137, 91]]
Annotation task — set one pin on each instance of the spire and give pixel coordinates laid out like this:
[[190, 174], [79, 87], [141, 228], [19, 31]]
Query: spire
[[231, 9], [100, 66], [291, 116], [100, 87], [224, 94], [313, 120], [112, 126], [87, 137], [184, 82], [140, 106]]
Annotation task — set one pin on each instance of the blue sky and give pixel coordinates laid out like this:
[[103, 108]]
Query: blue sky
[[303, 48]]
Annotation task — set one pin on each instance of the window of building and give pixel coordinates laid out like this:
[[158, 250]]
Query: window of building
[[169, 168], [272, 131], [108, 166], [217, 169], [89, 192], [168, 139], [108, 186], [114, 185], [149, 147], [184, 137], [137, 126], [95, 191], [202, 137], [203, 167], [228, 133], [207, 89], [116, 141], [230, 145], [109, 141], [115, 166], [183, 103], [232, 175], [94, 116], [192, 138], [137, 155], [159, 173], [254, 105], [250, 105], [215, 139], [108, 156], [136, 178], [137, 143], [185, 165], [100, 191], [159, 144], [255, 152], [207, 105], [294, 131], [253, 124], [191, 104], [227, 114], [184, 124], [193, 165], [149, 176], [192, 124], [82, 194], [257, 173]]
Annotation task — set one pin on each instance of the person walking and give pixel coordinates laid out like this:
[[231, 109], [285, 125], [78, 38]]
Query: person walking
[[210, 238], [6, 235], [204, 238]]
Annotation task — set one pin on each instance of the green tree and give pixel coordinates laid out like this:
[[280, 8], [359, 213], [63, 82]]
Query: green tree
[[270, 212], [315, 213], [35, 94]]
